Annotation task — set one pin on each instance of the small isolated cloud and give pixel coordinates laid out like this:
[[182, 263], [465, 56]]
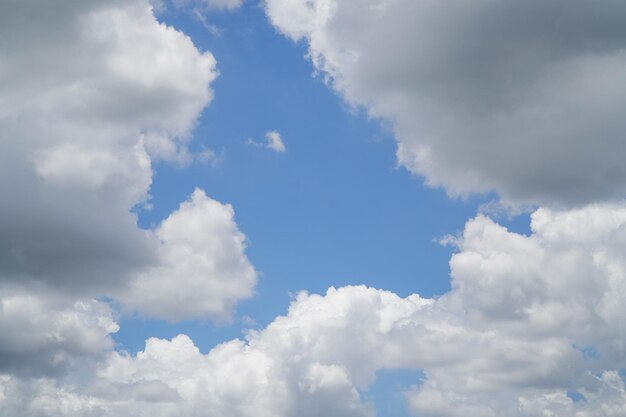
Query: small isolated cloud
[[198, 9], [209, 156], [248, 321], [273, 141], [213, 29]]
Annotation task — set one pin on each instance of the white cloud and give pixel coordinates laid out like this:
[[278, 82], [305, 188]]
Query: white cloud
[[528, 319], [273, 141], [202, 269], [209, 156], [523, 98]]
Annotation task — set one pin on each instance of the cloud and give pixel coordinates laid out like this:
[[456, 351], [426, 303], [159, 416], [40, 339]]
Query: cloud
[[521, 98], [93, 93], [200, 9], [202, 269], [529, 321], [96, 91], [273, 141], [43, 335]]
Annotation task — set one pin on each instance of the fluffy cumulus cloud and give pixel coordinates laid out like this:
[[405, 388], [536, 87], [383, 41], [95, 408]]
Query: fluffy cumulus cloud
[[202, 270], [93, 92], [523, 98], [533, 326]]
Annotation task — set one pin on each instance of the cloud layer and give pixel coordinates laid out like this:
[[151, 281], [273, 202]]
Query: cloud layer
[[532, 323], [521, 98]]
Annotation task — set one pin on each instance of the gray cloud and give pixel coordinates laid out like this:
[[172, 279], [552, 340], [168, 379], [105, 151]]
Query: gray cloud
[[92, 93], [44, 335], [523, 98]]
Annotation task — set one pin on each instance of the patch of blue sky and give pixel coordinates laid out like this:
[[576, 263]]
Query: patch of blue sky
[[388, 392], [333, 210], [576, 396], [589, 353]]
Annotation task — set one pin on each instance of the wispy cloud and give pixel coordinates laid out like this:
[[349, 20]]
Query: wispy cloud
[[273, 141]]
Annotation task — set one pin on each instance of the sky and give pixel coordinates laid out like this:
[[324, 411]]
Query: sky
[[312, 208]]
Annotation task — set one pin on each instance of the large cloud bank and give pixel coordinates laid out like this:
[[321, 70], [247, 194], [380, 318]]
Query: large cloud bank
[[92, 92], [534, 326], [524, 98]]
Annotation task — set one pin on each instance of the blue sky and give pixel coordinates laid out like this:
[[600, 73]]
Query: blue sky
[[133, 161], [334, 210]]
